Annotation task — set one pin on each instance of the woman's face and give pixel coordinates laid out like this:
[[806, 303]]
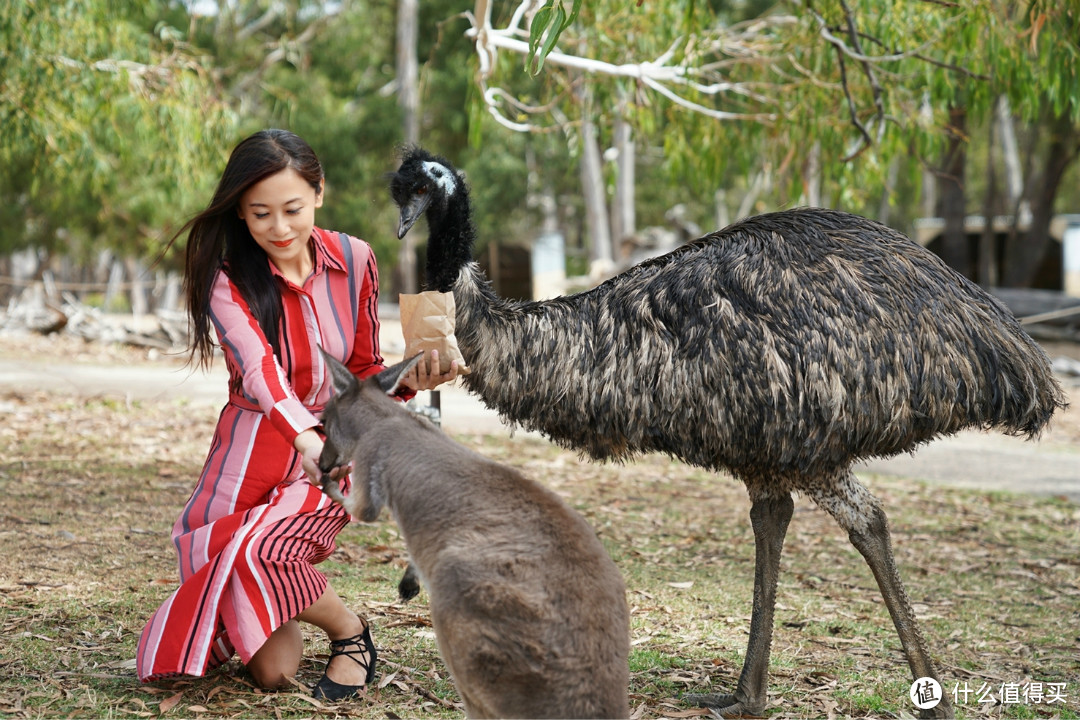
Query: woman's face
[[280, 213]]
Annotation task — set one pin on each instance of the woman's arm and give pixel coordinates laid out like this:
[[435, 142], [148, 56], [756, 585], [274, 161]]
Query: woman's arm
[[248, 355], [366, 359]]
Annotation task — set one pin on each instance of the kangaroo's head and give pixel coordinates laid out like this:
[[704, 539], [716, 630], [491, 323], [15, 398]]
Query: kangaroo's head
[[356, 407]]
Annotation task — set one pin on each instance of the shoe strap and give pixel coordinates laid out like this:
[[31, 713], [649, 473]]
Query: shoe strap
[[361, 655]]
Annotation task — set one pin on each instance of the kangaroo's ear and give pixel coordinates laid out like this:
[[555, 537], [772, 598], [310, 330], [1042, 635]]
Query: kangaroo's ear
[[391, 379], [343, 379]]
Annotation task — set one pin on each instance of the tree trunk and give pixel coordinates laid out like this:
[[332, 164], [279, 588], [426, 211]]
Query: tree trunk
[[928, 195], [760, 184], [171, 299], [592, 187], [7, 289], [623, 221], [409, 100], [987, 274], [723, 217], [116, 279], [136, 272], [1024, 256], [891, 177], [1010, 153], [812, 177], [954, 246]]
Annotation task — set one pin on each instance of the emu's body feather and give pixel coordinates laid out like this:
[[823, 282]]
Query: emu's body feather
[[795, 341], [782, 348]]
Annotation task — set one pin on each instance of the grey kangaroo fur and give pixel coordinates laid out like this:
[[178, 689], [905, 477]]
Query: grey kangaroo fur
[[529, 610]]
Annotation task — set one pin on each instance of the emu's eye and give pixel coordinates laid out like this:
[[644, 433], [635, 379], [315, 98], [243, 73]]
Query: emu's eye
[[422, 190]]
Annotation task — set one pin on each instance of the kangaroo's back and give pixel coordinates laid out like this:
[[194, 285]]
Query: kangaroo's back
[[529, 610]]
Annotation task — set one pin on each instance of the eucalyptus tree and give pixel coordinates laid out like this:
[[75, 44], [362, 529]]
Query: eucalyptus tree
[[598, 92], [1035, 65], [112, 127], [835, 102], [325, 69]]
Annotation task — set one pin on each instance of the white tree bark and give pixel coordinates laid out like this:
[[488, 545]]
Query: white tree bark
[[596, 217], [407, 69], [885, 207], [657, 75], [720, 209], [623, 216], [136, 271], [812, 177], [1010, 155]]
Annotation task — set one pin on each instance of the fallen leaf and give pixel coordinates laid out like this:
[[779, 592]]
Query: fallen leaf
[[170, 702]]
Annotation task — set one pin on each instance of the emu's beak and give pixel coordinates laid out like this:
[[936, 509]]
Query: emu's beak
[[411, 212]]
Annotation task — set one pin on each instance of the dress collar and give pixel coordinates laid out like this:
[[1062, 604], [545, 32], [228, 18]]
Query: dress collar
[[328, 253]]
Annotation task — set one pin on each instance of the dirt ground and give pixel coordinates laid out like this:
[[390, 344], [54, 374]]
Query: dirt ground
[[99, 445]]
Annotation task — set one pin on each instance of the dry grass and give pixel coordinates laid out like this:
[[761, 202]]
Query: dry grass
[[89, 490]]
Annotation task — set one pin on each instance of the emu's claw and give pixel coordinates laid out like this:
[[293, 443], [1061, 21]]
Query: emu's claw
[[725, 705]]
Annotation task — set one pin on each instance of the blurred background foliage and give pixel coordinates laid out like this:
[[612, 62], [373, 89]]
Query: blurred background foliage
[[117, 118]]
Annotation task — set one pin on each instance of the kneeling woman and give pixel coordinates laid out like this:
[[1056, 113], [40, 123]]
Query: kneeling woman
[[274, 288]]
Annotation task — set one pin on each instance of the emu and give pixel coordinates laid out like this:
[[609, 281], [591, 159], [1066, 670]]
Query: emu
[[529, 610], [781, 349]]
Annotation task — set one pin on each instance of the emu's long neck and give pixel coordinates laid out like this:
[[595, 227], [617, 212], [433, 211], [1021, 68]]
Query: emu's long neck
[[450, 241], [542, 365], [539, 364]]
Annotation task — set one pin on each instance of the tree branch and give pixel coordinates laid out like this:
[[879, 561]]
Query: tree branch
[[656, 75]]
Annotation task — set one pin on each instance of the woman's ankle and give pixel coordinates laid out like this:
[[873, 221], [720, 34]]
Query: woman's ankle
[[349, 629]]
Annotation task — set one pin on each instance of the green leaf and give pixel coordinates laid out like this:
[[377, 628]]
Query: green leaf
[[557, 26], [574, 11], [553, 20], [540, 23]]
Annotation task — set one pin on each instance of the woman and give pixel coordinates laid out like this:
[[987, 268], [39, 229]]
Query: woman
[[275, 288]]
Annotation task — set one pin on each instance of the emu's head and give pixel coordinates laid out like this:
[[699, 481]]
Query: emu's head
[[423, 183], [427, 184]]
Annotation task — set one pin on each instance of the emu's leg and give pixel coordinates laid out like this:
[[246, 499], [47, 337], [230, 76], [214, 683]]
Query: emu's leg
[[860, 513], [769, 518]]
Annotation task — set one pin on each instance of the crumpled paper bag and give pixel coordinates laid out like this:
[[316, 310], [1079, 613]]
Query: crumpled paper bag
[[427, 322]]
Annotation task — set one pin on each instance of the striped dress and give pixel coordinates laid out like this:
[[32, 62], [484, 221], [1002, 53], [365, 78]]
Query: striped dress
[[253, 529]]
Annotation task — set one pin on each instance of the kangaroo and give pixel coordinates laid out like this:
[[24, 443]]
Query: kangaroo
[[529, 611]]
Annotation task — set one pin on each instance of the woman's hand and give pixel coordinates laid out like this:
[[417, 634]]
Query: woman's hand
[[426, 376], [310, 445]]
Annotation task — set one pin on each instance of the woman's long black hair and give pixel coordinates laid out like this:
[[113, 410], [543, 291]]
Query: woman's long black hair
[[219, 238]]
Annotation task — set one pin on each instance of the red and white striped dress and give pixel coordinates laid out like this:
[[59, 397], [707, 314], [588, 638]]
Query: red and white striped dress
[[251, 533]]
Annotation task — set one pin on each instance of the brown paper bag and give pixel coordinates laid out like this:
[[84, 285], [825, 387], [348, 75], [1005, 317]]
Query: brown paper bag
[[427, 322]]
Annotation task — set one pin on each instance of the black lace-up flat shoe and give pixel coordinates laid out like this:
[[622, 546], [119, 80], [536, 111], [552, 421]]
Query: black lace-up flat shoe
[[361, 650]]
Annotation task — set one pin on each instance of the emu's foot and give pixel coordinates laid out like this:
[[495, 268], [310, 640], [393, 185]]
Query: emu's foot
[[727, 706]]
